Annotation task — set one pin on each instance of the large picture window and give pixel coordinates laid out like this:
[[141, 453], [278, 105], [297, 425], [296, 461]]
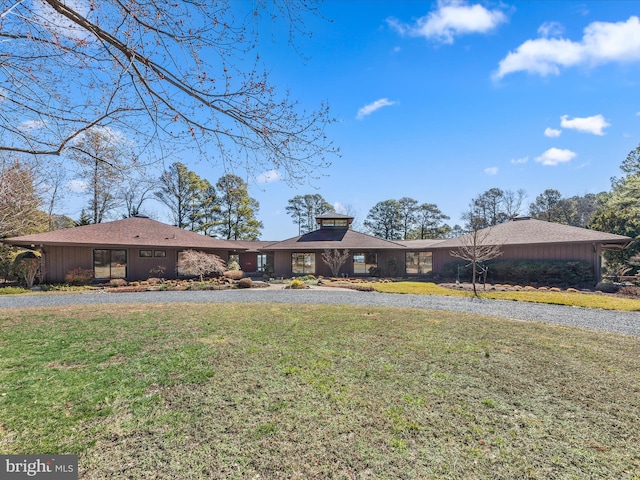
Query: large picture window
[[109, 264], [303, 263], [418, 263], [364, 262]]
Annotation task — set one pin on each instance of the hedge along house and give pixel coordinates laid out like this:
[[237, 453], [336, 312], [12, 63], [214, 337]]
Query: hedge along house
[[135, 248], [302, 255], [523, 239]]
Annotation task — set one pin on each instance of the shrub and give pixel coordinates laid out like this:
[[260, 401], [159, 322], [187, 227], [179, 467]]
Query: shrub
[[233, 274], [541, 272], [245, 283], [117, 282], [12, 290], [79, 276], [158, 271], [630, 291], [297, 284], [607, 287], [7, 256], [201, 263], [392, 267], [375, 272], [233, 265], [306, 278], [26, 267]]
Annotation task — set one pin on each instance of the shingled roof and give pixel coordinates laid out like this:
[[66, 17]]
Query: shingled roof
[[529, 231], [338, 238], [135, 231]]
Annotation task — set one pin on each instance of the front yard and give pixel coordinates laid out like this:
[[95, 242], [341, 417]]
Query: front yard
[[291, 391]]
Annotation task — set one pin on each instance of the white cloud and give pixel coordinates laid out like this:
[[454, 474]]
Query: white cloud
[[519, 161], [552, 132], [373, 106], [61, 25], [269, 176], [32, 125], [77, 186], [602, 42], [551, 29], [555, 156], [491, 170], [452, 18], [594, 124]]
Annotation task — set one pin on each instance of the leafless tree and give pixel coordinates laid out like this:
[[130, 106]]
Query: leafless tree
[[52, 180], [201, 263], [512, 202], [100, 154], [335, 259], [134, 191], [19, 200], [476, 248], [180, 74]]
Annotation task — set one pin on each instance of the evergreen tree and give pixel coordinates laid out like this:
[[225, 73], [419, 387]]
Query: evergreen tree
[[305, 208], [237, 210], [385, 220]]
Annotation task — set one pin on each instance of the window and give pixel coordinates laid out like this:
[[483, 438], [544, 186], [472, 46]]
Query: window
[[364, 262], [262, 262], [303, 263], [152, 253], [418, 263], [334, 222], [109, 264]]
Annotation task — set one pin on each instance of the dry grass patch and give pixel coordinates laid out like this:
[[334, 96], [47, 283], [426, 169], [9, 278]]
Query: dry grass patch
[[291, 391], [519, 294]]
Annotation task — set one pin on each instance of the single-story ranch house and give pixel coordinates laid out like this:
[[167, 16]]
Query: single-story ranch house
[[138, 248]]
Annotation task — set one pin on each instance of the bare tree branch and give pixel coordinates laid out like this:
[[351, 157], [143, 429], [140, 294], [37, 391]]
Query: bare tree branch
[[164, 72], [335, 259], [475, 249]]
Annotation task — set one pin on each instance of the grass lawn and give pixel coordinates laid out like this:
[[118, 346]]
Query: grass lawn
[[289, 391], [576, 299]]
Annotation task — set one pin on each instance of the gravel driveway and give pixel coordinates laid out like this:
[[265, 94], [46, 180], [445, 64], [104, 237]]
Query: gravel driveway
[[610, 321]]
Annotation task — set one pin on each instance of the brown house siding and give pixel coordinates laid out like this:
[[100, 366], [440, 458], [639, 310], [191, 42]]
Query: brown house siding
[[282, 262], [581, 251], [59, 260], [140, 267]]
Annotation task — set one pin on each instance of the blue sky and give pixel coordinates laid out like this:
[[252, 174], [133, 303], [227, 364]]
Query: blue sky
[[441, 101]]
